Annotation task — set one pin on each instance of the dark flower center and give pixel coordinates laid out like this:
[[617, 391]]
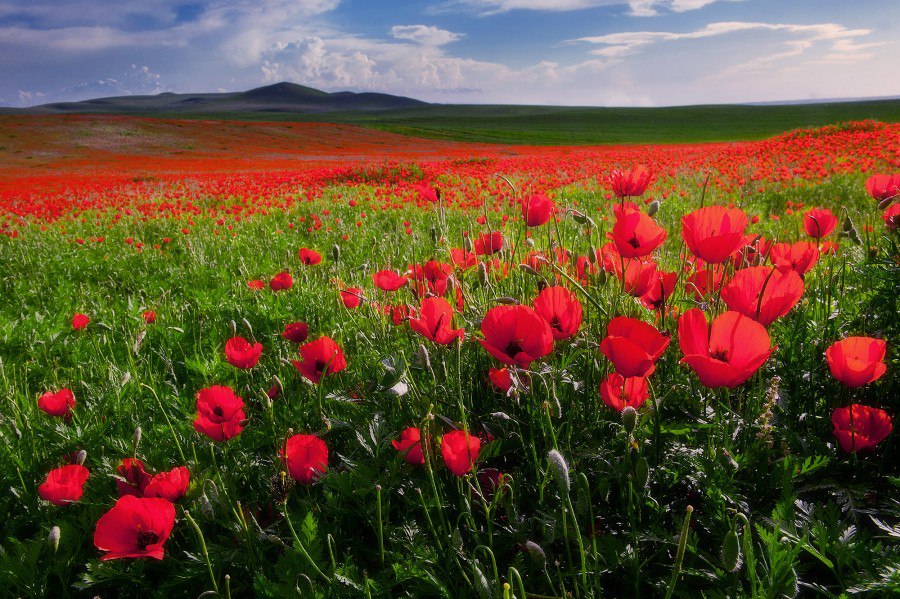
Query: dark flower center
[[556, 324], [513, 348], [217, 411], [146, 538], [321, 365], [719, 354], [633, 242]]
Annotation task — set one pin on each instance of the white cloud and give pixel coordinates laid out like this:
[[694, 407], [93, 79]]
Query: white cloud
[[802, 37], [425, 35], [637, 8]]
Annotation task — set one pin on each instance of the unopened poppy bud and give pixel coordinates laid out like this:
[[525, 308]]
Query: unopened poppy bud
[[467, 244], [247, 324], [424, 357], [233, 329], [434, 235], [507, 301], [336, 252], [81, 457], [206, 507], [629, 419], [482, 273], [536, 552], [883, 204], [579, 217], [560, 470], [274, 539], [529, 242], [529, 270], [137, 438], [53, 538], [653, 208], [731, 552], [592, 255]]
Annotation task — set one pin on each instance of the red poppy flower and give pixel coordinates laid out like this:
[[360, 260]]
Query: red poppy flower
[[306, 457], [561, 309], [699, 283], [857, 361], [659, 290], [819, 222], [714, 233], [799, 257], [501, 379], [220, 413], [891, 217], [725, 354], [256, 284], [764, 290], [59, 404], [516, 335], [435, 321], [281, 281], [171, 485], [388, 280], [410, 446], [633, 346], [882, 187], [80, 321], [463, 259], [351, 297], [309, 257], [64, 484], [240, 353], [295, 332], [860, 428], [630, 183], [639, 274], [537, 209], [488, 243], [320, 357], [149, 316], [135, 527], [133, 479], [619, 392], [437, 273], [460, 450], [399, 314], [635, 234]]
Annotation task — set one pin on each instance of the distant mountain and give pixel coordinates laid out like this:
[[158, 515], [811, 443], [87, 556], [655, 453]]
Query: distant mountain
[[281, 97]]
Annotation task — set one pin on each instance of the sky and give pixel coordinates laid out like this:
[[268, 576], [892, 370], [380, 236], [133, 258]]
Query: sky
[[560, 52]]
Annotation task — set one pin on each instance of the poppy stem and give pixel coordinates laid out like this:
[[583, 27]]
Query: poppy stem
[[298, 544], [203, 549], [380, 524], [682, 545]]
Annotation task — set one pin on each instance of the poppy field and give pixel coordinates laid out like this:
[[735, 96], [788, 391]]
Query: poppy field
[[370, 369]]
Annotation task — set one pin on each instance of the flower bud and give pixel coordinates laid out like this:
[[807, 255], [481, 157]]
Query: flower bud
[[529, 242], [81, 457], [653, 208], [137, 438], [482, 273], [336, 253], [641, 472], [731, 552], [536, 552], [53, 538], [467, 244], [629, 419], [560, 470]]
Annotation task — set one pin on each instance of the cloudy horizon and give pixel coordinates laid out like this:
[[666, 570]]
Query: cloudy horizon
[[558, 52]]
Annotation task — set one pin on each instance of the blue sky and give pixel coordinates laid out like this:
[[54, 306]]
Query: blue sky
[[570, 52]]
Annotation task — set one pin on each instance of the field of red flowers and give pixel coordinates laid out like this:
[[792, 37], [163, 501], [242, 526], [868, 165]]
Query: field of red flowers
[[314, 360]]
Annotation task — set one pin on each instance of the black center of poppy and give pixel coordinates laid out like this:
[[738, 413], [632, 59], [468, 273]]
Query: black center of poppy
[[217, 410], [556, 324], [633, 242], [146, 538], [719, 354], [513, 348], [321, 365]]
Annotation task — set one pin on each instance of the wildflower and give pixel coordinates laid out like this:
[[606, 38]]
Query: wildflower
[[64, 485], [220, 413], [240, 353], [306, 457], [857, 361], [320, 357], [135, 527]]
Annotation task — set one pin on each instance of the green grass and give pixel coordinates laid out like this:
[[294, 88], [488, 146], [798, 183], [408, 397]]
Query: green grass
[[756, 460], [547, 125]]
